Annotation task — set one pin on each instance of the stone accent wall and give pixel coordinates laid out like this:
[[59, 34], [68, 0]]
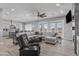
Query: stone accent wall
[[76, 17]]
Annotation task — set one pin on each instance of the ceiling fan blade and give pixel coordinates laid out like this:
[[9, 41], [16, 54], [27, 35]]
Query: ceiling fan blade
[[41, 15]]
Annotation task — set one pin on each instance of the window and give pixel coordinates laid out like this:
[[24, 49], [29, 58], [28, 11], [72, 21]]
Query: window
[[53, 27], [45, 26], [28, 27], [60, 30]]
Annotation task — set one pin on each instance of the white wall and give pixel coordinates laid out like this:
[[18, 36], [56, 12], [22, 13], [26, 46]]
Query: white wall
[[1, 11], [67, 30]]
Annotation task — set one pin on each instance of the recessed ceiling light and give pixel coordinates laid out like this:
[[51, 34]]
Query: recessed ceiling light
[[57, 4], [61, 11], [12, 9]]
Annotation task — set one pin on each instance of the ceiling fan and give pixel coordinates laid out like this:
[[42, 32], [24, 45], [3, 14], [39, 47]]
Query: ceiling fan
[[41, 15]]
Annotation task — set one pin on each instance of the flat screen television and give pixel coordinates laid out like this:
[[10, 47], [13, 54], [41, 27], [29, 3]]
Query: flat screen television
[[69, 17]]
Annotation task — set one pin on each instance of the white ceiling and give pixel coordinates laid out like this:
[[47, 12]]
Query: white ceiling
[[28, 11]]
